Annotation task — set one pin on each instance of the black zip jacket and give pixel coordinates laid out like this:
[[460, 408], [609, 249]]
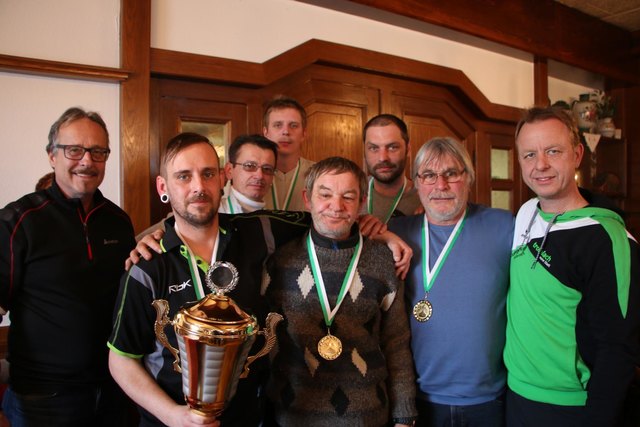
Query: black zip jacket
[[59, 274]]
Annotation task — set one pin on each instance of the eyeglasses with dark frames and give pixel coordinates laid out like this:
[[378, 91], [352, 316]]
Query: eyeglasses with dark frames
[[76, 152], [450, 175], [253, 166]]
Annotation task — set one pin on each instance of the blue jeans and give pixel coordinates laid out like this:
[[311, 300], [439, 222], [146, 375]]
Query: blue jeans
[[80, 407], [488, 414]]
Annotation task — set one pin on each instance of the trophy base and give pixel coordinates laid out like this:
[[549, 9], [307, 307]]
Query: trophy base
[[208, 411]]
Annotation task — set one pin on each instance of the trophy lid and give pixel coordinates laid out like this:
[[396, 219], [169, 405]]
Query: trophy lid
[[217, 314], [217, 308]]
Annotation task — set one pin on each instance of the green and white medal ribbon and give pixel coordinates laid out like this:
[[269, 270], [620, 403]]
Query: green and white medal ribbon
[[395, 202], [330, 347], [423, 309], [193, 264], [232, 205], [287, 200]]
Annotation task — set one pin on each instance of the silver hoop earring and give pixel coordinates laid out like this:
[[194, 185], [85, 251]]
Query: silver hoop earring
[[164, 198]]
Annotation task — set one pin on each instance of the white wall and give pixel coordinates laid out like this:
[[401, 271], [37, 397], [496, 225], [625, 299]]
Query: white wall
[[257, 30], [29, 105], [79, 31], [82, 31]]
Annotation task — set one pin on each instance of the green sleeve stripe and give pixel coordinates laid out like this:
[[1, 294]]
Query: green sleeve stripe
[[615, 228], [116, 327], [122, 353], [622, 260]]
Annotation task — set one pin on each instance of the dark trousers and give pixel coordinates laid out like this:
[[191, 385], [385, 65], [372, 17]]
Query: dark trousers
[[522, 412], [104, 406], [488, 414]]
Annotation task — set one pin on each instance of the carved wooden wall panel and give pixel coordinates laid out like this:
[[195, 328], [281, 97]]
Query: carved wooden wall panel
[[334, 130], [422, 129]]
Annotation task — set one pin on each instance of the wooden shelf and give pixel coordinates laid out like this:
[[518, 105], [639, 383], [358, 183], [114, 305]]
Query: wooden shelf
[[610, 158]]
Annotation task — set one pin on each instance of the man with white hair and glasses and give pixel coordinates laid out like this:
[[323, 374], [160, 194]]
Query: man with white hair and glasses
[[456, 292]]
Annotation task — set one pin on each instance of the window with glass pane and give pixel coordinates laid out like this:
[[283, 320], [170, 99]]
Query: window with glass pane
[[501, 163], [216, 133], [501, 199]]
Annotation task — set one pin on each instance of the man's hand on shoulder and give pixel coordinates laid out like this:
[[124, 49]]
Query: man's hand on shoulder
[[145, 248], [370, 225], [402, 252]]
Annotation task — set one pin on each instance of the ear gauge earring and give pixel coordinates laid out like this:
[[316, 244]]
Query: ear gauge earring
[[164, 198]]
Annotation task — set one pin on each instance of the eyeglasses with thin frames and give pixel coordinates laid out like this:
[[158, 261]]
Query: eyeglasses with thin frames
[[450, 175], [76, 152], [253, 166]]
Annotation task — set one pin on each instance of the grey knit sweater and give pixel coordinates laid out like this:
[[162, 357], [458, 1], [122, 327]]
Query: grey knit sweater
[[372, 381]]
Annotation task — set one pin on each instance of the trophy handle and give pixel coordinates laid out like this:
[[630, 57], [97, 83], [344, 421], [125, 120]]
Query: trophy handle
[[162, 320], [269, 333]]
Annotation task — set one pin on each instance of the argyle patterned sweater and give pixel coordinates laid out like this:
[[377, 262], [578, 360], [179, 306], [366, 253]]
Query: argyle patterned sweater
[[372, 381]]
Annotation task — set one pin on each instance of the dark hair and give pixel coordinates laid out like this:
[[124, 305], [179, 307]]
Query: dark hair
[[336, 166], [69, 116], [280, 103], [386, 120], [257, 140], [540, 114], [437, 148], [179, 143]]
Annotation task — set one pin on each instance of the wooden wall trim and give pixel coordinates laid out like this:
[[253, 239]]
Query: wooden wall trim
[[540, 81], [178, 64], [135, 110], [543, 27], [61, 69], [194, 66]]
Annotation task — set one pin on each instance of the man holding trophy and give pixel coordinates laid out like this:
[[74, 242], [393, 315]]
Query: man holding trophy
[[197, 236]]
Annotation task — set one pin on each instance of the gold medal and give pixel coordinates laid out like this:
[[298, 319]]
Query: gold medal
[[422, 311], [329, 347]]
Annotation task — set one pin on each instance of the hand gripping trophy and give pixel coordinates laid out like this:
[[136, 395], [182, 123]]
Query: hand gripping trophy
[[214, 338]]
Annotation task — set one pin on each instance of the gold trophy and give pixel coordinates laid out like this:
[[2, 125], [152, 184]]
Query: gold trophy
[[214, 338]]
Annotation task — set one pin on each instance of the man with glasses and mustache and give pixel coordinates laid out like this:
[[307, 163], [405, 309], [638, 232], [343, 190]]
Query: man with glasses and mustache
[[456, 292], [386, 147], [251, 166], [61, 254]]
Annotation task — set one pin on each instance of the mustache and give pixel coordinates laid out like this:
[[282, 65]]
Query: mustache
[[87, 171], [442, 196], [337, 216], [200, 197], [385, 164], [260, 182]]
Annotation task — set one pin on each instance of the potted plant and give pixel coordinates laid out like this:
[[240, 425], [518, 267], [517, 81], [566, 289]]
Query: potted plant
[[606, 109]]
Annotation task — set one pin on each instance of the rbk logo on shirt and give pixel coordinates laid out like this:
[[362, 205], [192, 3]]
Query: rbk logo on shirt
[[180, 287]]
